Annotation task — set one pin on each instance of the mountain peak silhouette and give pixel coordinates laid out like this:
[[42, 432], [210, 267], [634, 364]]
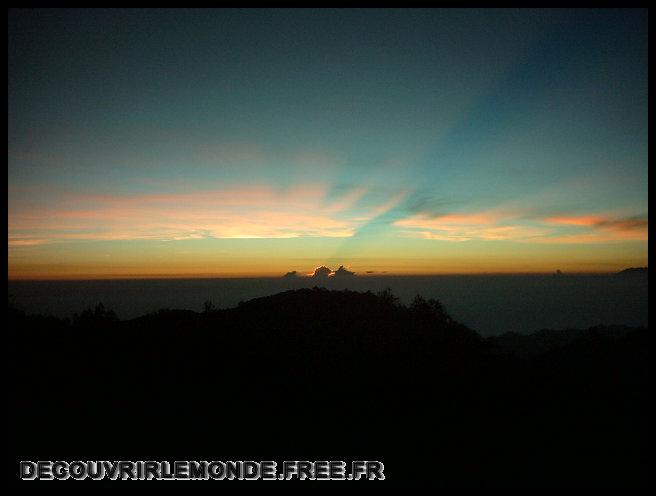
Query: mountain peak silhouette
[[633, 271]]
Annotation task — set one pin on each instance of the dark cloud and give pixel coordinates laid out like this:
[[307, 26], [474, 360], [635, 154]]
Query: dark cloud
[[321, 272], [625, 224], [342, 272]]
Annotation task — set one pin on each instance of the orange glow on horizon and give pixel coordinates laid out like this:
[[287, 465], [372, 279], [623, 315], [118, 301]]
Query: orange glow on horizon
[[243, 270], [198, 235]]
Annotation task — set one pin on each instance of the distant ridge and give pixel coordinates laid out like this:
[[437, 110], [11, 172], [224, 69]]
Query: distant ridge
[[633, 271], [545, 340]]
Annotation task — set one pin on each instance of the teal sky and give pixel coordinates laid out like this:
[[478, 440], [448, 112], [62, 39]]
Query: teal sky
[[231, 142]]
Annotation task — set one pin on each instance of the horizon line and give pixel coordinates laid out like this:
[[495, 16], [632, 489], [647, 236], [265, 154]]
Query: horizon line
[[131, 277]]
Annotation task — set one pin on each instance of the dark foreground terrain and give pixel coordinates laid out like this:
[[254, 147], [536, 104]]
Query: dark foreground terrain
[[314, 374]]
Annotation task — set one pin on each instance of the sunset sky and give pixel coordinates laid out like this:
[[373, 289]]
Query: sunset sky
[[256, 142]]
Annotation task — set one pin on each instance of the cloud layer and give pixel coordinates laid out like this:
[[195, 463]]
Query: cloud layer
[[237, 212], [496, 225]]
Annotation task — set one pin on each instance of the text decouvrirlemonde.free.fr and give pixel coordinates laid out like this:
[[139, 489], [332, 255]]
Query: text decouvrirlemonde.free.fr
[[202, 470]]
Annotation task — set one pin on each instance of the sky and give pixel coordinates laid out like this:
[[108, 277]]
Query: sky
[[182, 143]]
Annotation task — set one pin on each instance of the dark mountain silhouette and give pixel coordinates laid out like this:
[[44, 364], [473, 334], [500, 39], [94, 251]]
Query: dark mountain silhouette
[[634, 271], [315, 374]]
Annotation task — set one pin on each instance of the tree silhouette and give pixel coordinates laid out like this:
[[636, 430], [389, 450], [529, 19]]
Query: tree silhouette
[[208, 306], [99, 315]]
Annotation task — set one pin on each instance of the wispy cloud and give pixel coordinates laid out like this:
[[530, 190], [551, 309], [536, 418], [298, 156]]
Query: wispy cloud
[[634, 223], [17, 241], [509, 225], [599, 228], [237, 212]]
